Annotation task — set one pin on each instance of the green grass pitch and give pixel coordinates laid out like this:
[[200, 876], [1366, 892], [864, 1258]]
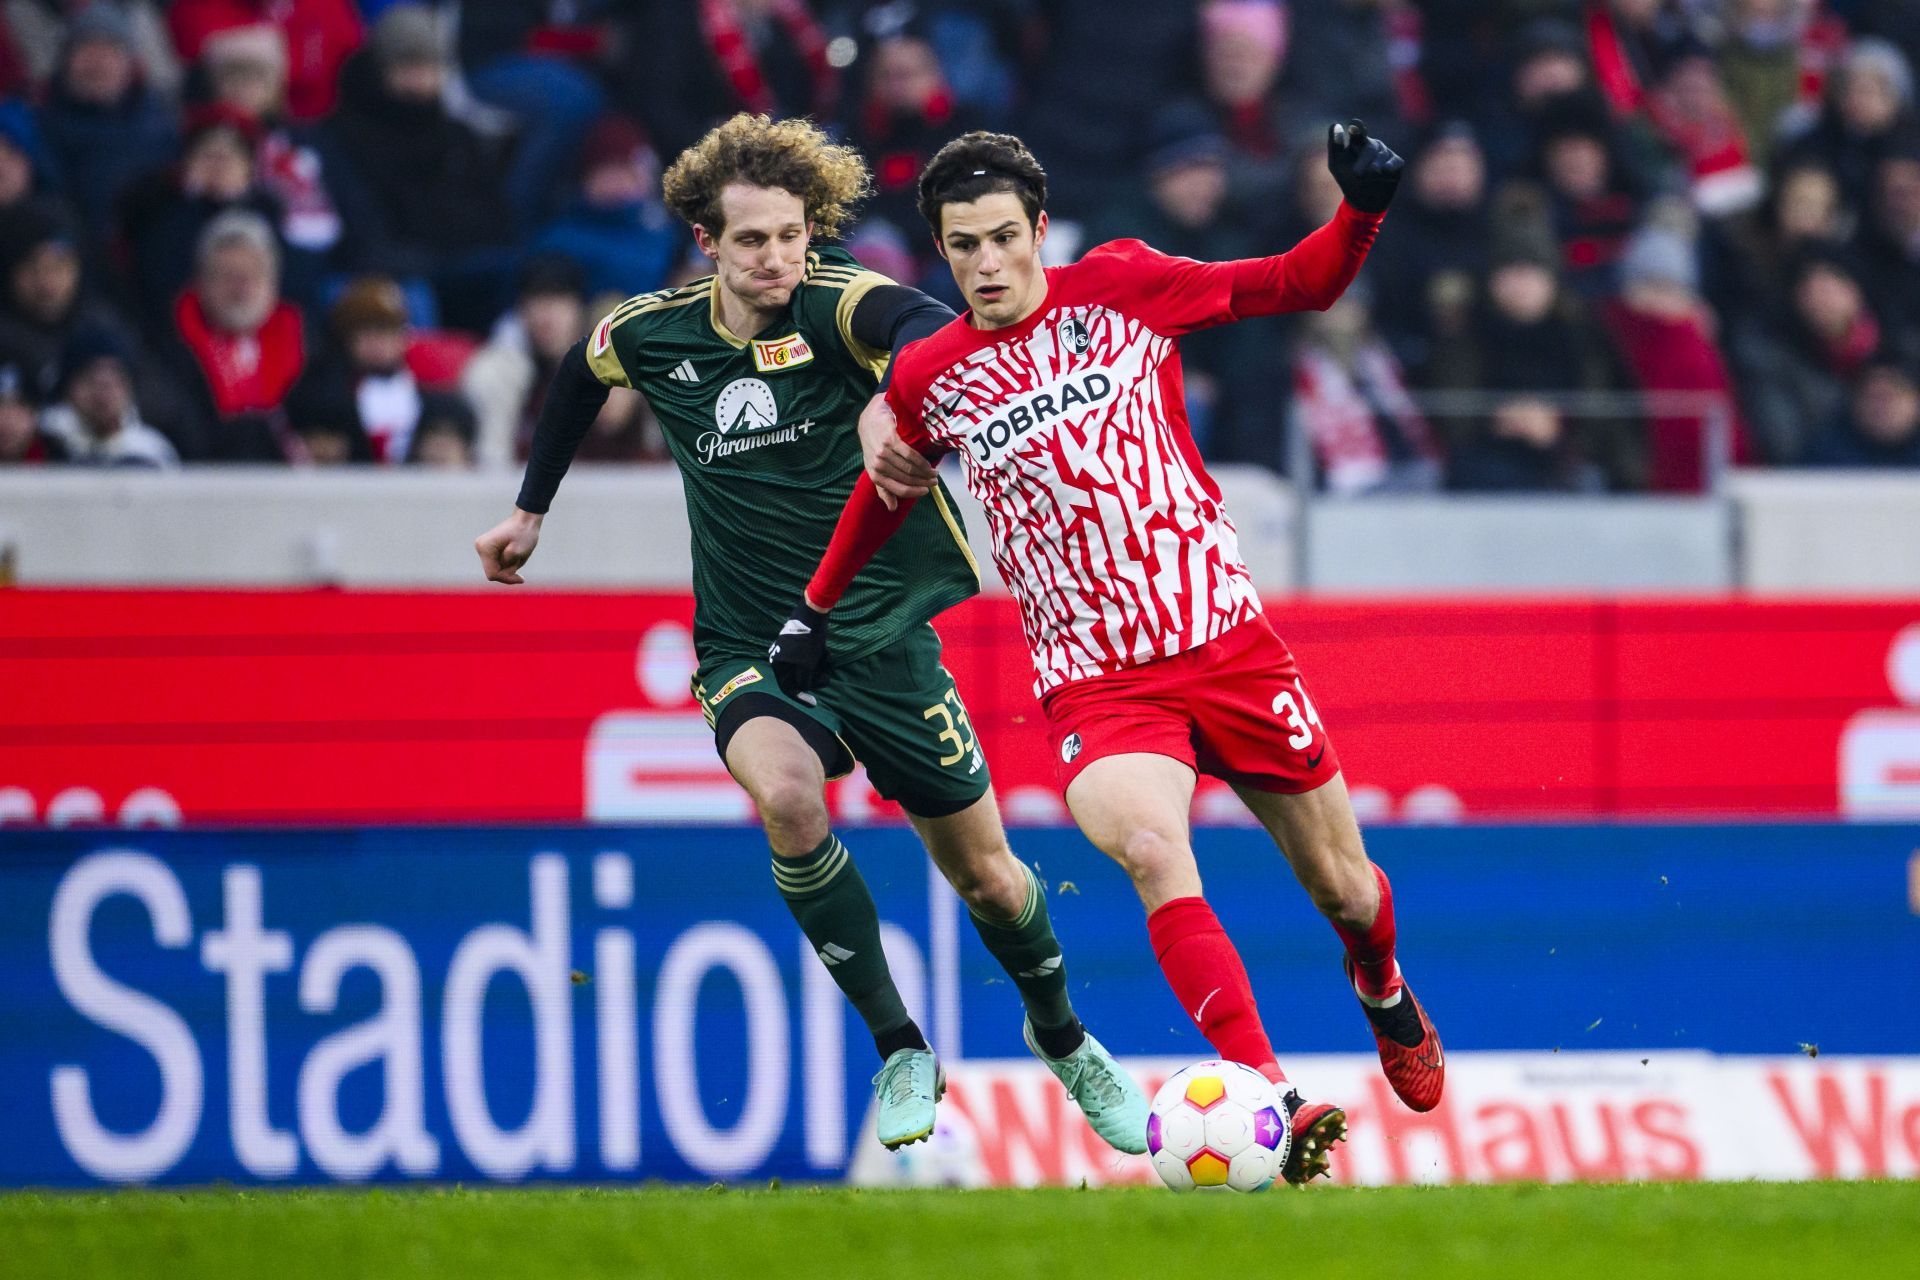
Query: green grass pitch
[[1807, 1231]]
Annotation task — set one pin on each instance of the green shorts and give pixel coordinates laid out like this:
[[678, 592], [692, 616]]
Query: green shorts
[[896, 711]]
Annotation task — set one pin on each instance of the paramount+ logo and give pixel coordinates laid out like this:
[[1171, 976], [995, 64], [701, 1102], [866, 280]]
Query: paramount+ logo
[[1042, 408]]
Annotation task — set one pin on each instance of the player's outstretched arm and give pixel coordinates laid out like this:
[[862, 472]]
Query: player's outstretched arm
[[574, 399], [1313, 274]]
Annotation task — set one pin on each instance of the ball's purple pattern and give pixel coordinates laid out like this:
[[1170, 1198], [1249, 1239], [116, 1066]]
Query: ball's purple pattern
[[1269, 1128], [1153, 1135]]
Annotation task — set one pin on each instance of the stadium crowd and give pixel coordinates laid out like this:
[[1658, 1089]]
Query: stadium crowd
[[316, 232]]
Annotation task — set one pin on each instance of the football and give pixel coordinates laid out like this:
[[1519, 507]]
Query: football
[[1218, 1125]]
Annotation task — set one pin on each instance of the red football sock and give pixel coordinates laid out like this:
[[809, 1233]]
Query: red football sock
[[1375, 971], [1210, 982]]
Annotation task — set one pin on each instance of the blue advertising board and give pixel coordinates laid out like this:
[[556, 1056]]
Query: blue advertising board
[[616, 1003]]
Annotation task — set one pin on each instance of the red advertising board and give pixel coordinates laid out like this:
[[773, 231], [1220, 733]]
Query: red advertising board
[[323, 707]]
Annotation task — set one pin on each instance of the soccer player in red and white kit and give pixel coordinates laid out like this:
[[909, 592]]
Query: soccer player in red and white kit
[[1061, 391]]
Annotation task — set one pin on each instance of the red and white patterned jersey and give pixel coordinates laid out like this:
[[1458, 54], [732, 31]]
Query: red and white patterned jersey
[[1073, 430]]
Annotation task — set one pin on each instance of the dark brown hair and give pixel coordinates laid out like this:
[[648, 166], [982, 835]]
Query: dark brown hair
[[792, 155], [978, 164]]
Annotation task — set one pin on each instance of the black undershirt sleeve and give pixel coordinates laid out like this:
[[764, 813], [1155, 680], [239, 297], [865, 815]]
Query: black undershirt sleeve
[[890, 316], [574, 399]]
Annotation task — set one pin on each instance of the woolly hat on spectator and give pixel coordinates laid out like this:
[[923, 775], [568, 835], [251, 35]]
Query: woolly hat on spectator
[[31, 229], [101, 21], [1884, 59], [258, 45], [1263, 22], [1182, 134], [89, 345], [13, 387], [615, 140], [1656, 255], [371, 302], [407, 33]]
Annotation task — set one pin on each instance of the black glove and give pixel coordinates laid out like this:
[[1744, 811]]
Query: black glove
[[799, 655], [1366, 168]]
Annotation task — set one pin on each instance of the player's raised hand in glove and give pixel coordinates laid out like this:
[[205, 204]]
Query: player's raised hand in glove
[[1366, 168], [798, 655]]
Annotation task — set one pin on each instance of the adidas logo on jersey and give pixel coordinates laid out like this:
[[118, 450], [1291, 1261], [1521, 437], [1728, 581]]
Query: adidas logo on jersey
[[683, 372]]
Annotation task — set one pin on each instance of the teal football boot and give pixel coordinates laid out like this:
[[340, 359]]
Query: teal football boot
[[907, 1087], [1101, 1087]]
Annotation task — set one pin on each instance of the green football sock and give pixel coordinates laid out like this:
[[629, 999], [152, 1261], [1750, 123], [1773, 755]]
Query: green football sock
[[827, 895], [1028, 951]]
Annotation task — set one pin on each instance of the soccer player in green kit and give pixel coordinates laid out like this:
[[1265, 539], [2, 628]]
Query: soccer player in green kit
[[759, 375]]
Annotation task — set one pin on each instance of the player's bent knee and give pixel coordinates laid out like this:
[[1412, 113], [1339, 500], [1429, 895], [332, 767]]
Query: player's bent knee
[[791, 805], [1151, 856]]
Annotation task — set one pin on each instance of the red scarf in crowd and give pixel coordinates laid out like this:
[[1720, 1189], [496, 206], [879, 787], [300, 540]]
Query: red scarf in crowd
[[247, 373], [720, 22]]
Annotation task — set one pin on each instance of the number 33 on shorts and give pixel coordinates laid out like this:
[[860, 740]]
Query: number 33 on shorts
[[1295, 710]]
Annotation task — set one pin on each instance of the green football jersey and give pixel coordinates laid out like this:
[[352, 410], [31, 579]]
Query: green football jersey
[[764, 433]]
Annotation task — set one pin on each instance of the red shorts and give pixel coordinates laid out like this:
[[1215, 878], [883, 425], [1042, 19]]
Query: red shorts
[[1233, 708]]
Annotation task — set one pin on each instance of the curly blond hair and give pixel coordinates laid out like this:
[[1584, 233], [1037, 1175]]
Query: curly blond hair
[[793, 155]]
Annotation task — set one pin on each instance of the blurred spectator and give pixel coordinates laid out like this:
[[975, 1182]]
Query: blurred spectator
[[1350, 398], [444, 439], [1243, 45], [28, 189], [517, 58], [699, 61], [1692, 111], [1341, 66], [1665, 335], [104, 125], [1106, 66], [1188, 213], [1549, 66], [1868, 114], [1892, 236], [1440, 232], [324, 425], [1591, 200], [617, 230], [1881, 425], [506, 381], [38, 29], [45, 304], [1529, 343], [164, 214], [905, 115], [245, 345], [247, 72], [1794, 372], [435, 181], [22, 442], [95, 419], [1762, 62], [318, 35], [372, 335]]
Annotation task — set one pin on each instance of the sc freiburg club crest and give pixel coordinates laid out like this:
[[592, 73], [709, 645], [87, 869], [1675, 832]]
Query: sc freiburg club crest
[[1074, 336]]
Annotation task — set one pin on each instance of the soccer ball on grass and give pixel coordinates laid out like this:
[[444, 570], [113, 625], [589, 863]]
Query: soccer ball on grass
[[1218, 1125]]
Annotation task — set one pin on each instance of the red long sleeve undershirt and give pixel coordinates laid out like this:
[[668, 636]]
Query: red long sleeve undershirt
[[1311, 276]]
